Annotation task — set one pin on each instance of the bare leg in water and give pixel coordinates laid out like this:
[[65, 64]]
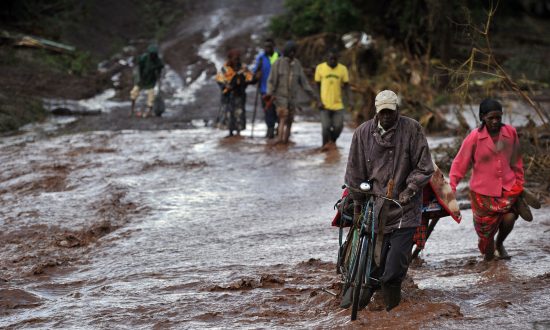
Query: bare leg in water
[[281, 132], [490, 250], [287, 130], [148, 112], [505, 228]]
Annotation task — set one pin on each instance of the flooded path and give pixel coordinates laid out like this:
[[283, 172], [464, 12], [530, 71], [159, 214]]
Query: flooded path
[[117, 222], [186, 229]]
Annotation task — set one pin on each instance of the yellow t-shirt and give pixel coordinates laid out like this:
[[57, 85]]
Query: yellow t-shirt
[[331, 84]]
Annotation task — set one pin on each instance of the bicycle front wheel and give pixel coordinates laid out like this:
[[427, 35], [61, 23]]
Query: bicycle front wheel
[[359, 278]]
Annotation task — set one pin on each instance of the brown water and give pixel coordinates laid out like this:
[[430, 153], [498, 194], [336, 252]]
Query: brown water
[[181, 228], [186, 229]]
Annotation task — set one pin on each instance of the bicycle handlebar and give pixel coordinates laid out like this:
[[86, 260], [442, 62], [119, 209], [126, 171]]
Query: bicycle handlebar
[[369, 193]]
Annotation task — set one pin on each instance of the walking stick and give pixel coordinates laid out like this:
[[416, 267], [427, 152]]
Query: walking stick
[[255, 108]]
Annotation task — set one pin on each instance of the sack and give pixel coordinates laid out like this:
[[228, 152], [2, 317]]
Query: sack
[[158, 105]]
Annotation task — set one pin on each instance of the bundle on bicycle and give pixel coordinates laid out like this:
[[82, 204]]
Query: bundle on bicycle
[[356, 255]]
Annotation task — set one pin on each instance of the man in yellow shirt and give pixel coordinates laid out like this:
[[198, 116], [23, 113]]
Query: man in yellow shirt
[[332, 78]]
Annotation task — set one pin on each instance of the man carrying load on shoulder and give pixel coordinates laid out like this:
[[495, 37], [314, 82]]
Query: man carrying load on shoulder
[[147, 75]]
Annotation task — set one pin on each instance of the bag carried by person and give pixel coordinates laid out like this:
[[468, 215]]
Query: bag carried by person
[[158, 105]]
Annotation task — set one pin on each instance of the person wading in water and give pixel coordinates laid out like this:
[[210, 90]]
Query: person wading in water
[[285, 78], [332, 78], [146, 77], [233, 79], [496, 185], [391, 151], [261, 70]]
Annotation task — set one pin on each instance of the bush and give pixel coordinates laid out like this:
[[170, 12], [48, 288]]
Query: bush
[[307, 17], [16, 111]]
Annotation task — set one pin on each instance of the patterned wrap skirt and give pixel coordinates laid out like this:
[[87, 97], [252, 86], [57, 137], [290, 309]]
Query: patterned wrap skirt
[[488, 212]]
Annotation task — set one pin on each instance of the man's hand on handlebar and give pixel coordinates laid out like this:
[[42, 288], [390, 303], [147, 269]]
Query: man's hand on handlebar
[[406, 195]]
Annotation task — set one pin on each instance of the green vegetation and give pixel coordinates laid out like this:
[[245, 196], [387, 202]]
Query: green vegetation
[[16, 111], [420, 25], [307, 17], [159, 17], [79, 63], [428, 48]]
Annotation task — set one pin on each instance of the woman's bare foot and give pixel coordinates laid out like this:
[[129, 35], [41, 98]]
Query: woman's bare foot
[[502, 253]]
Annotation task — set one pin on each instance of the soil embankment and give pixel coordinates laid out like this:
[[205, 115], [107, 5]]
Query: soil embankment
[[100, 31]]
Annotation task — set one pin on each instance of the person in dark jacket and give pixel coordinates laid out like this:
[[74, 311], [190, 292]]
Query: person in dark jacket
[[391, 151], [261, 70], [285, 79], [147, 75]]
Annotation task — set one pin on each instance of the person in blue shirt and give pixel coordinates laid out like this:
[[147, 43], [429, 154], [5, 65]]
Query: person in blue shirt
[[261, 70]]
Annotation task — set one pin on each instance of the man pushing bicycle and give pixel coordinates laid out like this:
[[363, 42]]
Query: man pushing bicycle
[[391, 151]]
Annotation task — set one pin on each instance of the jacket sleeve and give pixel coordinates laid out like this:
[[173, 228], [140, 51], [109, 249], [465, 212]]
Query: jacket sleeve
[[247, 74], [356, 169], [305, 84], [318, 76], [273, 77], [257, 64], [421, 160], [463, 160], [516, 163]]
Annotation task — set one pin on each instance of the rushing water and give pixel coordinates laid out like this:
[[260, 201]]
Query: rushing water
[[187, 229], [221, 233]]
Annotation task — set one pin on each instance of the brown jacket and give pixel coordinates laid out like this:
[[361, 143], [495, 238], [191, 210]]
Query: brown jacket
[[284, 81], [402, 154]]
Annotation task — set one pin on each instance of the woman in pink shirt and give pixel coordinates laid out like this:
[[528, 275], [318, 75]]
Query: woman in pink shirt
[[497, 178]]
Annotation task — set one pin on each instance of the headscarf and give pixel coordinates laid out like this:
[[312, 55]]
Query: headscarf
[[486, 106]]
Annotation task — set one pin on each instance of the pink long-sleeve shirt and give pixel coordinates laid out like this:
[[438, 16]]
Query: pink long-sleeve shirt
[[495, 167]]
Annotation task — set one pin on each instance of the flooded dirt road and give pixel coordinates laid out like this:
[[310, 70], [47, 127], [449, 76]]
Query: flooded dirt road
[[117, 222], [186, 229]]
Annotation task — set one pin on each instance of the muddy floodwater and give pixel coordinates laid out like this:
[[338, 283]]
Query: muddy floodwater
[[186, 229]]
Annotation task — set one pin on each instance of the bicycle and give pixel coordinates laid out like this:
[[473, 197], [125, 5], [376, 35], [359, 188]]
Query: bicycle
[[355, 261]]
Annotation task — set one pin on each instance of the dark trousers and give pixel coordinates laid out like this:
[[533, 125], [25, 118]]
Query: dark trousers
[[332, 123], [394, 260], [270, 115]]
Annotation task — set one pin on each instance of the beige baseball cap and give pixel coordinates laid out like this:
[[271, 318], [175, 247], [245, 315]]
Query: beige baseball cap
[[385, 100]]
